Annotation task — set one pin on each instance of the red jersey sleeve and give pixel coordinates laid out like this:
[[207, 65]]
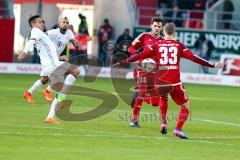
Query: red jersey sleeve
[[186, 53], [136, 44], [144, 54]]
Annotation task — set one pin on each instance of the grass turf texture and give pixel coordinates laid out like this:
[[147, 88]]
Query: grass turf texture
[[214, 127]]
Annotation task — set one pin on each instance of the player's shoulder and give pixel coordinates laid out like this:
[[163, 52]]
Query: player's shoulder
[[69, 33], [36, 30], [148, 34], [173, 41], [142, 35], [180, 44], [53, 31]]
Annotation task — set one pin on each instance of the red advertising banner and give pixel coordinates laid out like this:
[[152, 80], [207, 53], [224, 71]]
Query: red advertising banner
[[7, 40]]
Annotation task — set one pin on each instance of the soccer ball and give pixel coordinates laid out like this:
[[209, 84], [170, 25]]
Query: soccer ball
[[148, 65]]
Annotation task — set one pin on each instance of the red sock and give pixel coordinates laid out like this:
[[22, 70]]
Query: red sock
[[163, 104], [183, 115], [136, 109]]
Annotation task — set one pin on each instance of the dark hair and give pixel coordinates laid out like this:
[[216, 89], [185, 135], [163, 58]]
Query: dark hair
[[32, 19], [106, 20], [157, 19]]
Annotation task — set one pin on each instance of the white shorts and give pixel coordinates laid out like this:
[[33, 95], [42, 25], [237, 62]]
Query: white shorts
[[46, 71]]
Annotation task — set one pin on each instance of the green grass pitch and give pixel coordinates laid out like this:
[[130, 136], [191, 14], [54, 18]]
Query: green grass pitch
[[214, 127]]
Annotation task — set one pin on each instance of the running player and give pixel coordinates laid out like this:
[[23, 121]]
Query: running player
[[168, 53], [60, 37], [54, 69]]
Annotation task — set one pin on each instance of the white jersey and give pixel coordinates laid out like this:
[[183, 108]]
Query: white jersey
[[60, 40], [46, 48]]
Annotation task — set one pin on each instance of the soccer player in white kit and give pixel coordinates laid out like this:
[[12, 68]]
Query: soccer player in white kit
[[60, 37], [54, 69]]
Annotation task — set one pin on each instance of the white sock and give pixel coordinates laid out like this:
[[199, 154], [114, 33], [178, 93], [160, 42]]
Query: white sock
[[49, 88], [38, 84], [53, 108], [70, 79]]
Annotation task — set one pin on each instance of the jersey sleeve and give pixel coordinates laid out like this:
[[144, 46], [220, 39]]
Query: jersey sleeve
[[136, 44], [29, 46], [148, 52], [186, 53], [51, 33], [71, 35], [35, 35]]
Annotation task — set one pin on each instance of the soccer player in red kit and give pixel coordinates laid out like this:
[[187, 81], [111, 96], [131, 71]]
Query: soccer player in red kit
[[143, 41], [168, 53]]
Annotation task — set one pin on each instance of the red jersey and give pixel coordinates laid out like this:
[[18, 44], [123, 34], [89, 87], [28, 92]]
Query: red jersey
[[143, 41], [83, 39], [167, 56]]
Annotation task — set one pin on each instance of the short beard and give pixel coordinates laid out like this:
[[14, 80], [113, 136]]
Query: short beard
[[63, 30]]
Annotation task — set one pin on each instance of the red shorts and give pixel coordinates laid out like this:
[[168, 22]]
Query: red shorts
[[178, 94]]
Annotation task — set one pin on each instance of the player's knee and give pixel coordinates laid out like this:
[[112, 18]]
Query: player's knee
[[163, 102], [75, 72], [44, 80], [185, 105], [57, 86]]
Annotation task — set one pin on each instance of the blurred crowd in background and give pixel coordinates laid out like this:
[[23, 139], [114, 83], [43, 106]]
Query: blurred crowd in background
[[108, 45]]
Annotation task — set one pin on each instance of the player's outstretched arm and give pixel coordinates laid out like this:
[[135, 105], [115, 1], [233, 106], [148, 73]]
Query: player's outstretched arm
[[194, 58], [27, 48], [135, 57]]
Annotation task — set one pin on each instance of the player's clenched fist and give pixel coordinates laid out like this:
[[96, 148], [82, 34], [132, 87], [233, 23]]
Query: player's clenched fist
[[218, 65]]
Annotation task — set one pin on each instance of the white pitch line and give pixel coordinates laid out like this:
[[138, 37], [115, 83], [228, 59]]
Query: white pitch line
[[107, 135], [117, 133], [214, 99], [217, 137], [211, 142], [217, 122]]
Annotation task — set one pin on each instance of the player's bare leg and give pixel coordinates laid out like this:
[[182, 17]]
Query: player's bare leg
[[183, 116], [38, 84]]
